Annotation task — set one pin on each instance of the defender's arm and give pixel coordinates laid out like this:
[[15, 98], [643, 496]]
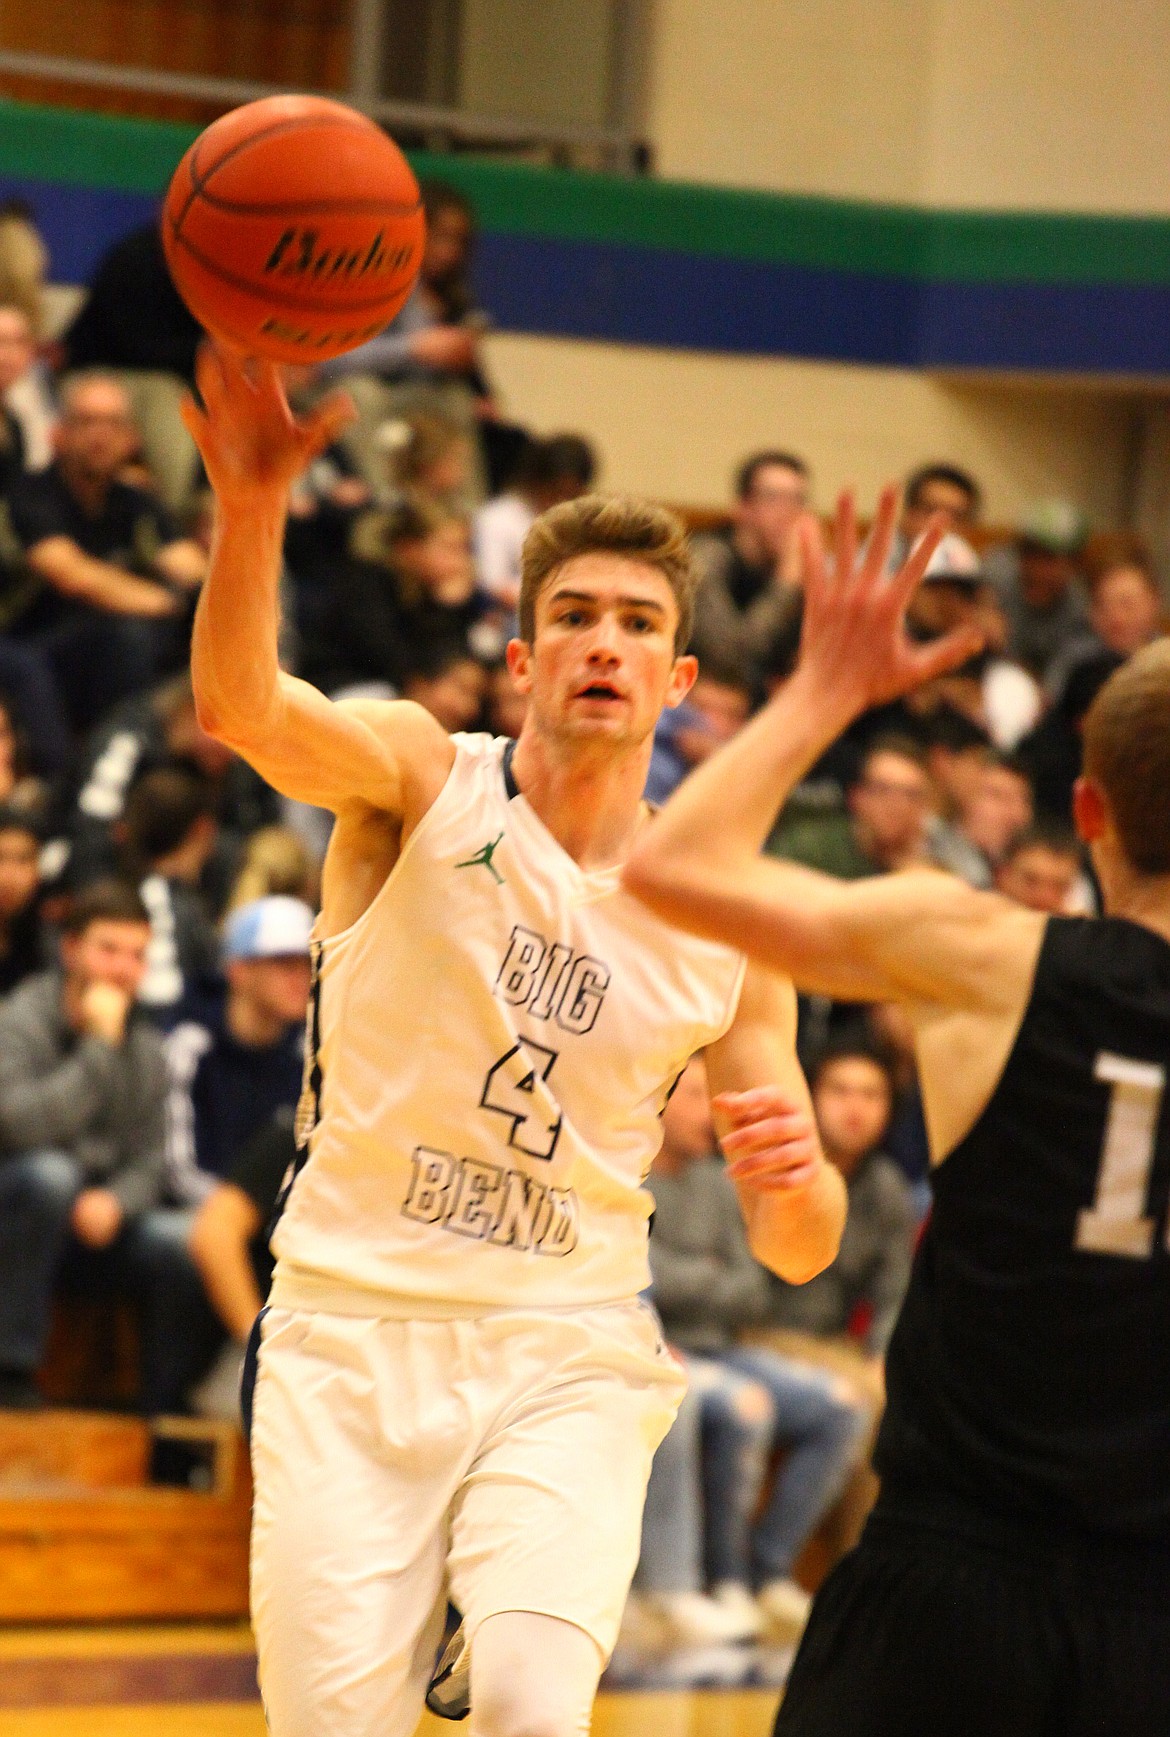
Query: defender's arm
[[793, 1200]]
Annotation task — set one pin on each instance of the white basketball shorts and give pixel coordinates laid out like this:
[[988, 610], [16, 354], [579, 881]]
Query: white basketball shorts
[[501, 1460]]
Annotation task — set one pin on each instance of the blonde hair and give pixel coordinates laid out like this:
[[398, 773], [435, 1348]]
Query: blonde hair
[[1127, 752], [608, 525], [275, 861]]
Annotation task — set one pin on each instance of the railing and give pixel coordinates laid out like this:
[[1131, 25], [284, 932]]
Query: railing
[[435, 127]]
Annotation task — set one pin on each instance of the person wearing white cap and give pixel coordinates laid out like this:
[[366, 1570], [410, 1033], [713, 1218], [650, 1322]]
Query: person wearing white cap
[[236, 1066], [995, 691]]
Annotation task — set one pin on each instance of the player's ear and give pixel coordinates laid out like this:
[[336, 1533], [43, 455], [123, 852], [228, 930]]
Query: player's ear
[[518, 656], [682, 679], [1090, 812]]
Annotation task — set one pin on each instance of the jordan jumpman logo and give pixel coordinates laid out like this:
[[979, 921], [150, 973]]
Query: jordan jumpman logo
[[483, 859]]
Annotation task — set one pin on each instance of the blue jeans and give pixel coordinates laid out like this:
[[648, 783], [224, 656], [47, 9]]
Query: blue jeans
[[725, 1414], [147, 1262], [821, 1427]]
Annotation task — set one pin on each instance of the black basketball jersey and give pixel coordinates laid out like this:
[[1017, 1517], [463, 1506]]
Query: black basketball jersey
[[1030, 1368]]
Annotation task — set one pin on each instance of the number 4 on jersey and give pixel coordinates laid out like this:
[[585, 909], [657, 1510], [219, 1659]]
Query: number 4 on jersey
[[513, 1089]]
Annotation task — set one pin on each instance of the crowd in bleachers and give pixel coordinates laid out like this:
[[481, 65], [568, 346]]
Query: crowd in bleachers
[[156, 896]]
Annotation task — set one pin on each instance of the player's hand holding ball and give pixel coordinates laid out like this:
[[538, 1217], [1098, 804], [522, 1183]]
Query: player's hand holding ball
[[772, 1143], [293, 229]]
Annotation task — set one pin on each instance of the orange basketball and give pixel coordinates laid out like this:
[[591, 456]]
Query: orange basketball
[[293, 227]]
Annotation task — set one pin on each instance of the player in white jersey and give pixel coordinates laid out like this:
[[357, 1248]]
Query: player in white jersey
[[458, 1390]]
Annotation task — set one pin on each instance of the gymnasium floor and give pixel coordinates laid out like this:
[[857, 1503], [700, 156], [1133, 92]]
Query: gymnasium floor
[[198, 1681]]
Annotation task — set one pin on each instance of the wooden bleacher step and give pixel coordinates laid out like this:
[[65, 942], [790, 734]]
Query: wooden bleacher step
[[85, 1536]]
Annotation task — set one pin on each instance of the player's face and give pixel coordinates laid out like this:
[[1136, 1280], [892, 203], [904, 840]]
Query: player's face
[[602, 664], [852, 1103]]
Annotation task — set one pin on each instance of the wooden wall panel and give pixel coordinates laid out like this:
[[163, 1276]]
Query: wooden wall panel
[[283, 42]]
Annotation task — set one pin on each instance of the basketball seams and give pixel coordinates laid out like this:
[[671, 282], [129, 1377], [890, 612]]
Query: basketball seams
[[313, 208], [283, 298], [291, 124]]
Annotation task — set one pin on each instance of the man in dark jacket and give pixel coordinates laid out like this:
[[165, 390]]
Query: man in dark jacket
[[82, 1102]]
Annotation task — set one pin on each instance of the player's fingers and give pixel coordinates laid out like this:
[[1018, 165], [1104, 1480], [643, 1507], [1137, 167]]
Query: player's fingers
[[755, 1101], [762, 1173], [772, 1131], [881, 537], [814, 576], [326, 420], [209, 374], [945, 654], [194, 420], [845, 537], [909, 575]]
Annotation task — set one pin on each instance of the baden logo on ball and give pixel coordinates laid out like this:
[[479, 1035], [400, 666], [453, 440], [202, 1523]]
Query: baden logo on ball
[[293, 228]]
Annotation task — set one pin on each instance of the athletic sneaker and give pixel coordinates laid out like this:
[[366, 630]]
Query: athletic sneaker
[[449, 1694], [785, 1605], [734, 1597], [691, 1619]]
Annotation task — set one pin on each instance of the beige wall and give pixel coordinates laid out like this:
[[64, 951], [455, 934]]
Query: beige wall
[[1038, 104], [542, 60], [673, 424]]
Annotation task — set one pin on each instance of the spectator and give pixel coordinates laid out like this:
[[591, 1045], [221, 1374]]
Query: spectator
[[111, 563], [135, 322], [932, 491], [1126, 612], [427, 454], [1041, 868], [853, 1096], [229, 1245], [82, 1112], [23, 949], [451, 685], [707, 1287], [237, 1065], [992, 690], [1051, 753], [956, 752], [18, 787], [555, 469], [275, 860], [889, 807], [149, 730], [167, 835], [24, 263], [996, 808], [506, 707], [29, 411], [1038, 581], [716, 707], [429, 354], [407, 588], [747, 604]]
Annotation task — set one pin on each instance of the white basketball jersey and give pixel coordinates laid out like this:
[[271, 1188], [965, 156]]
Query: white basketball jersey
[[490, 1048]]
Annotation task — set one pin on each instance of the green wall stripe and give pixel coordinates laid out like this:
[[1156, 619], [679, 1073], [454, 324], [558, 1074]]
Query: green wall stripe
[[61, 145]]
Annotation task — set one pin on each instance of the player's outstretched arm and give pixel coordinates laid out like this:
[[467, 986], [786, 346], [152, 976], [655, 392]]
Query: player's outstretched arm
[[793, 1201], [914, 937], [304, 745]]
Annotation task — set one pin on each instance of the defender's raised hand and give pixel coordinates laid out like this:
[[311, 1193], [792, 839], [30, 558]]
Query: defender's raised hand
[[249, 439], [854, 638]]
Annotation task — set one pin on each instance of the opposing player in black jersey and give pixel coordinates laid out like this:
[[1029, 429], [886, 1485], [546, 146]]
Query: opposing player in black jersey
[[1014, 1578]]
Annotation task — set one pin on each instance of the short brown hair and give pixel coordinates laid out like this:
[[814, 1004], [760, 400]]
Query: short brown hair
[[608, 525], [106, 901], [1127, 752]]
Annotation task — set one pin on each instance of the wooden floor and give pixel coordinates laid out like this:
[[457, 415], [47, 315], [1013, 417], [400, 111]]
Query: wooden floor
[[196, 1680]]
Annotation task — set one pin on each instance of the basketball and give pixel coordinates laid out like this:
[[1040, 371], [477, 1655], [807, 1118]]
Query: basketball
[[293, 228]]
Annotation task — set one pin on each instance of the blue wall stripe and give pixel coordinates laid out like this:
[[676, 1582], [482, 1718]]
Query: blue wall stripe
[[643, 295]]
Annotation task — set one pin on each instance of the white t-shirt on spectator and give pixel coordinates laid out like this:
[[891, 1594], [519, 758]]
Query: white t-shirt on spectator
[[498, 533]]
